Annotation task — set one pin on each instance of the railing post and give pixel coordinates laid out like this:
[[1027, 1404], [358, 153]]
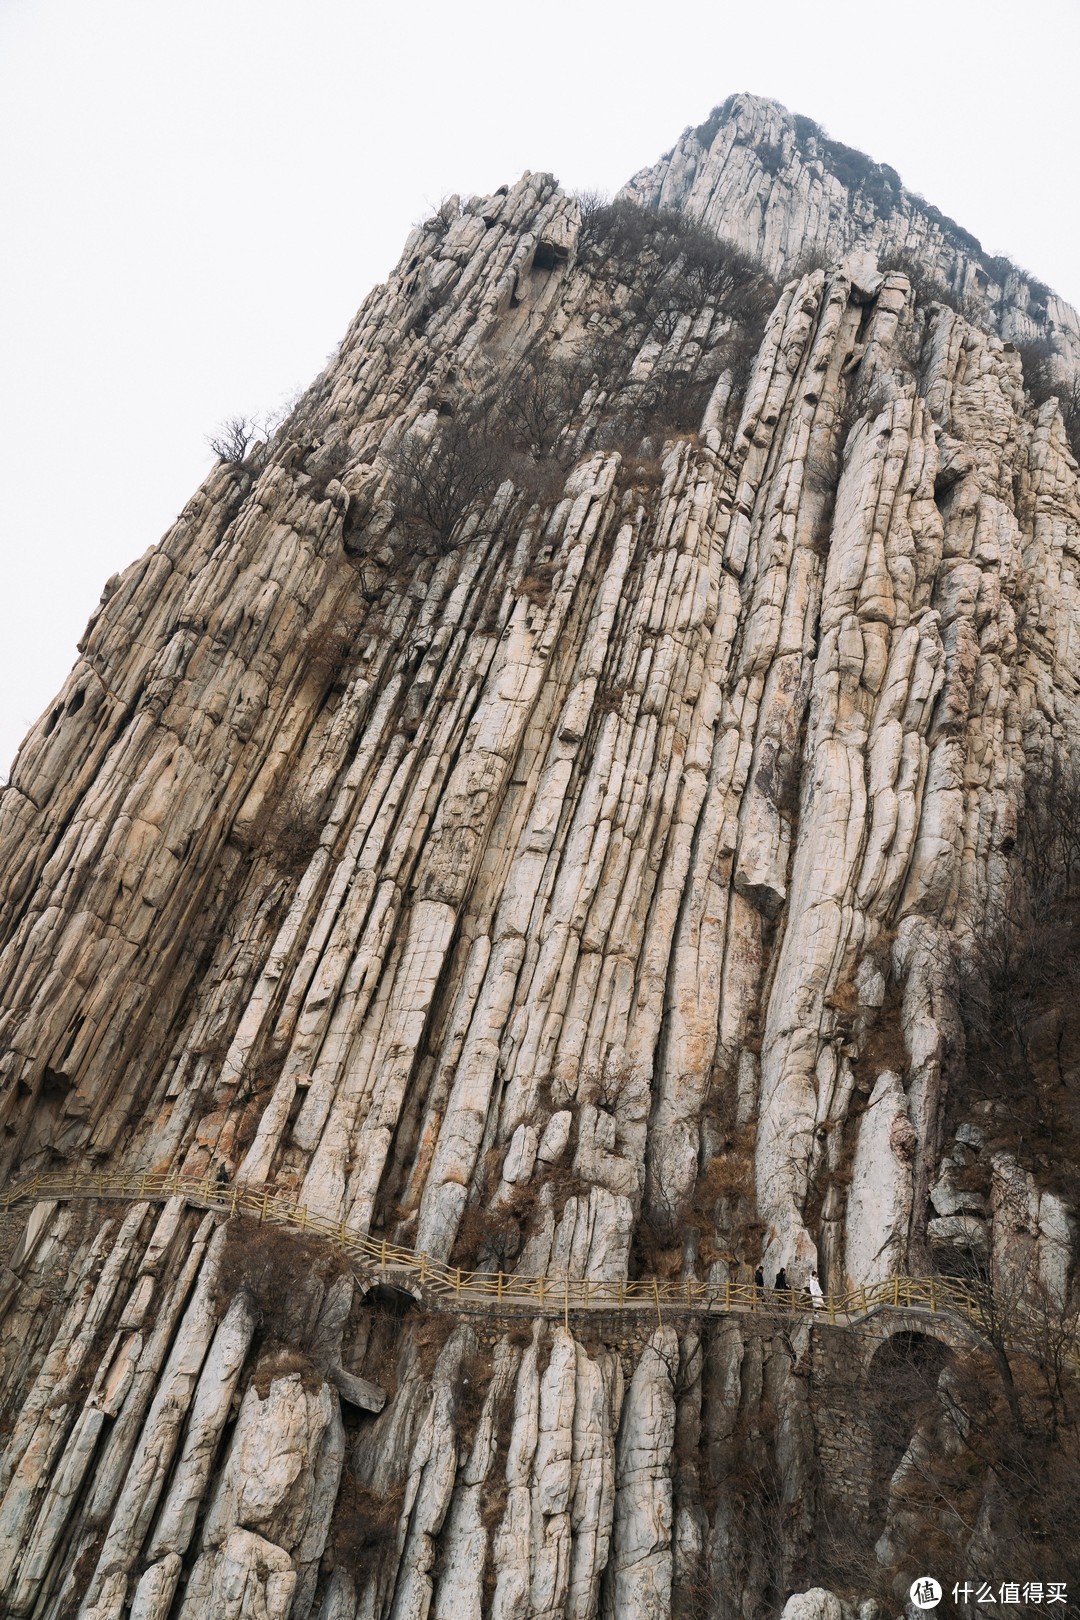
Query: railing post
[[727, 1293], [382, 1261], [896, 1291], [303, 1219], [264, 1205], [457, 1284], [566, 1303], [542, 1281], [498, 1284], [423, 1265], [656, 1299]]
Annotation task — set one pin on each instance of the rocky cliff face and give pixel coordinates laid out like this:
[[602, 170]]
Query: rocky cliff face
[[560, 805]]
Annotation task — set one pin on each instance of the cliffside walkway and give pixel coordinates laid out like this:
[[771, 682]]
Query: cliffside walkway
[[439, 1286]]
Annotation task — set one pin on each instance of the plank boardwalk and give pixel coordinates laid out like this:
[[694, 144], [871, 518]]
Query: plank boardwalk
[[439, 1286]]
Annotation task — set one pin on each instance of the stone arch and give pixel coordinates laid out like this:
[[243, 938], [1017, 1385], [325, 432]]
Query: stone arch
[[397, 1297], [889, 1322], [910, 1346]]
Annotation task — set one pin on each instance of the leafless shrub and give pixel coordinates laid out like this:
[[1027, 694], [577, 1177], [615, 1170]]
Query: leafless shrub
[[283, 1361], [292, 834], [822, 468], [928, 287], [718, 274], [495, 1234], [435, 488], [620, 228], [674, 402], [999, 1458], [809, 260], [1044, 380], [1049, 844], [591, 204], [280, 1271], [234, 437], [537, 584], [737, 355], [673, 264], [473, 1378], [656, 1249], [444, 215], [1017, 988], [602, 1084], [867, 396], [745, 1476], [365, 1525], [230, 441], [564, 1184], [325, 462], [538, 403], [430, 1334], [1037, 362], [722, 1208], [906, 352], [601, 356], [640, 472], [610, 699], [329, 647]]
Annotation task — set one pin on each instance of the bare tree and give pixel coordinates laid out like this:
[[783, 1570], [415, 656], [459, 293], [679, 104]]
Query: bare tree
[[538, 404], [231, 440], [435, 488]]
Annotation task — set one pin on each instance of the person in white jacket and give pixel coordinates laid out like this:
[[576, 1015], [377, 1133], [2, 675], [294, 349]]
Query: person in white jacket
[[814, 1287]]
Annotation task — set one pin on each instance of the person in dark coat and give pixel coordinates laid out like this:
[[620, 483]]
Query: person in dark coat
[[222, 1177], [759, 1281], [780, 1286]]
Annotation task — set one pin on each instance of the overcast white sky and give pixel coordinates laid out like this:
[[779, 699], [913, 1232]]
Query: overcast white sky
[[197, 194]]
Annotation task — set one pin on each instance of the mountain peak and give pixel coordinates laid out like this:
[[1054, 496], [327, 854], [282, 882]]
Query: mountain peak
[[779, 186]]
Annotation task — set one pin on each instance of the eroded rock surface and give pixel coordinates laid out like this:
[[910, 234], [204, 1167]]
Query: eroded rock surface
[[577, 881]]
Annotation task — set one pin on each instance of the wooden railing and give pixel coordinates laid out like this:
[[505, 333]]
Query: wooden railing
[[443, 1286]]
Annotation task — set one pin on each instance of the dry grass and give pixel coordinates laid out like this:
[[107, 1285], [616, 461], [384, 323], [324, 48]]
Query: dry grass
[[429, 1336], [365, 1525], [282, 1361], [292, 834], [1018, 995], [81, 1573], [329, 649], [844, 999], [474, 1377], [495, 1235], [538, 583], [883, 1046], [281, 1272]]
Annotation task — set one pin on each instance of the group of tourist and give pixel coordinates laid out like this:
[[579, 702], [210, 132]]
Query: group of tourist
[[783, 1288]]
